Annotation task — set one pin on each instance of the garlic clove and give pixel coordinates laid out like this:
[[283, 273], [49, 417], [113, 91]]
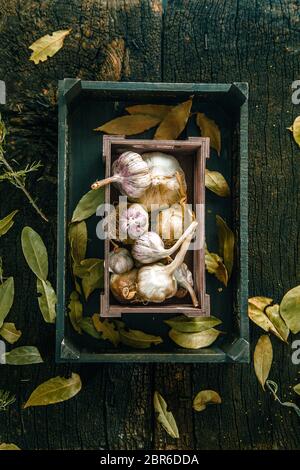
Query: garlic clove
[[120, 261]]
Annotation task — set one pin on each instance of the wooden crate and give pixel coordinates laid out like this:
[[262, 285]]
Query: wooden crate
[[85, 105], [192, 155]]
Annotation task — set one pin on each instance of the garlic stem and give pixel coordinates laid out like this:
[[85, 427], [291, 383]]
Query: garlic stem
[[179, 258], [191, 291], [99, 184], [190, 229]]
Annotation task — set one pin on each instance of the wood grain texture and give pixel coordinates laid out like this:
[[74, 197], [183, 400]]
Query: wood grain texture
[[246, 41]]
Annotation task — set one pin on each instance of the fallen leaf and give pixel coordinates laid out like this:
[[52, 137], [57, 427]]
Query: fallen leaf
[[87, 325], [256, 307], [297, 389], [192, 325], [22, 356], [78, 240], [290, 309], [206, 397], [88, 205], [7, 222], [9, 332], [194, 340], [47, 300], [174, 122], [165, 417], [7, 293], [91, 271], [11, 446], [129, 125], [295, 129], [209, 128], [214, 265], [263, 357], [35, 252], [158, 110], [260, 302], [48, 45], [226, 243], [106, 329], [275, 318], [75, 311], [216, 183], [55, 390], [138, 339]]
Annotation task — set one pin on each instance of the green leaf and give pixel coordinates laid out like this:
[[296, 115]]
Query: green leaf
[[106, 329], [263, 358], [91, 271], [88, 204], [7, 292], [194, 340], [35, 252], [22, 356], [165, 417], [87, 325], [297, 389], [226, 243], [55, 390], [9, 332], [78, 240], [290, 309], [192, 325], [75, 311], [206, 397], [47, 300], [138, 339], [11, 446], [7, 222]]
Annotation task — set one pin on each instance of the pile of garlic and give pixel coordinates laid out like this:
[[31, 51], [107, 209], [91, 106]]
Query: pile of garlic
[[144, 271]]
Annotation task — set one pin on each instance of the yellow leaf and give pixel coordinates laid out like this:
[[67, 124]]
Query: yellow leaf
[[5, 446], [297, 389], [157, 110], [48, 45], [226, 243], [290, 309], [165, 417], [174, 122], [9, 332], [209, 129], [268, 322], [194, 340], [129, 125], [216, 183], [75, 311], [204, 398], [214, 265], [295, 129], [277, 321], [106, 329], [263, 358]]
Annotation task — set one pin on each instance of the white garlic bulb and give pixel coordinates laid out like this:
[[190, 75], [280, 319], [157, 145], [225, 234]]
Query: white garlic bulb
[[134, 221], [168, 183], [156, 283], [130, 174], [123, 286], [120, 261], [149, 248], [170, 223], [184, 279]]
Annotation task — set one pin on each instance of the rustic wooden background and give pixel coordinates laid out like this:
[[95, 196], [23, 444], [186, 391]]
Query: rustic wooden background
[[257, 42]]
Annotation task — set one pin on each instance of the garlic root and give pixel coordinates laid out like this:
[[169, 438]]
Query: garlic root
[[184, 279]]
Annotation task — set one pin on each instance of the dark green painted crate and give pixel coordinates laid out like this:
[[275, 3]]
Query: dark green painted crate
[[85, 105]]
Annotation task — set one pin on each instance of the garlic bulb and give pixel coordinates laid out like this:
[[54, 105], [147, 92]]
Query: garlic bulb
[[130, 174], [123, 286], [156, 283], [167, 181], [120, 261], [184, 279], [149, 248], [170, 223], [134, 221]]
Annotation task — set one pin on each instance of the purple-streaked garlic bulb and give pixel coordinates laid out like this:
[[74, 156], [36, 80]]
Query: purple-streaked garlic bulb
[[130, 174], [134, 221], [120, 260], [184, 279]]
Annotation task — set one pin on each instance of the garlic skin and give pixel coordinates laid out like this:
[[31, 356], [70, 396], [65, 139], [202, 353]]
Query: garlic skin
[[170, 223], [156, 283], [120, 261], [165, 189], [134, 221], [123, 286], [130, 174], [184, 279]]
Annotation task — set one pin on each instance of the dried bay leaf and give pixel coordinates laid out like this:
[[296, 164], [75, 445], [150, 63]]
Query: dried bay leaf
[[10, 446], [165, 417], [256, 307], [297, 389], [138, 339], [226, 243], [157, 110], [192, 325], [47, 300], [106, 329], [263, 358], [275, 318], [78, 240], [209, 128], [194, 340], [48, 45], [7, 293], [22, 356], [129, 125], [7, 222], [174, 122], [295, 129], [55, 390], [215, 182], [290, 309], [9, 332], [86, 324], [35, 252], [88, 205], [206, 397], [260, 302], [91, 271], [214, 265], [75, 311]]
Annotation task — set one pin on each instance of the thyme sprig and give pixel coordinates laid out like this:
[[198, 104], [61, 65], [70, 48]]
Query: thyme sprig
[[6, 399]]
